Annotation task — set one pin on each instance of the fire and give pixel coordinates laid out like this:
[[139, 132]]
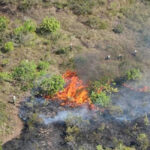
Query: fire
[[75, 92], [144, 89]]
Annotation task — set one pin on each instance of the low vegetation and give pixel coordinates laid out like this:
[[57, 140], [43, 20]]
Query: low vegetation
[[133, 74], [49, 25], [49, 86]]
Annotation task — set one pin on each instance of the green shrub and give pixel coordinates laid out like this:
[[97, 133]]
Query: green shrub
[[43, 65], [9, 46], [49, 25], [100, 99], [28, 26], [25, 73], [99, 147], [81, 7], [123, 147], [96, 23], [143, 141], [118, 29], [4, 76], [3, 23], [133, 74], [49, 86]]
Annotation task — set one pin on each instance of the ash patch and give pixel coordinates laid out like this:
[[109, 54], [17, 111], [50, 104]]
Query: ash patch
[[82, 129]]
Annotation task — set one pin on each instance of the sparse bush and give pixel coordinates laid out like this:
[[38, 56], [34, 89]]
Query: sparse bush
[[133, 74], [64, 50], [9, 46], [27, 4], [49, 25], [99, 147], [118, 29], [81, 7], [123, 147], [28, 26], [42, 66], [4, 76], [100, 99], [96, 23], [143, 141], [3, 23], [49, 86]]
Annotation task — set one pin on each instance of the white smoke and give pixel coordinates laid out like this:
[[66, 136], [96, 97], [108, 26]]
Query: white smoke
[[64, 115], [134, 104]]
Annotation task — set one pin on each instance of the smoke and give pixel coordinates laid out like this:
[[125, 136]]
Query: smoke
[[133, 102], [64, 115]]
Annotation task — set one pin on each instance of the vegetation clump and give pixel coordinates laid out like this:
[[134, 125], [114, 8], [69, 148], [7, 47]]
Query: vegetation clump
[[100, 99], [118, 29], [9, 46], [3, 23], [28, 26], [81, 7], [133, 74], [4, 76], [25, 73], [42, 65], [49, 86], [143, 141], [49, 25], [96, 23]]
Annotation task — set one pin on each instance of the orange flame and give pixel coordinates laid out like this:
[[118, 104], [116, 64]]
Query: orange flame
[[75, 92]]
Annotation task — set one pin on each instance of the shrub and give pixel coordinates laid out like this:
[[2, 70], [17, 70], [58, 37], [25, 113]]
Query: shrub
[[49, 86], [4, 76], [99, 147], [49, 25], [100, 99], [3, 23], [118, 29], [28, 26], [81, 7], [25, 73], [9, 46], [43, 65], [96, 23], [133, 74], [143, 141], [27, 4]]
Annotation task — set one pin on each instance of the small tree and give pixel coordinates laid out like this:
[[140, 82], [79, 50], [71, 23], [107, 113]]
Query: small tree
[[49, 86]]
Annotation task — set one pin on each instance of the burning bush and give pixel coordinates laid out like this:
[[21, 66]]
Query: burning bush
[[49, 86]]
